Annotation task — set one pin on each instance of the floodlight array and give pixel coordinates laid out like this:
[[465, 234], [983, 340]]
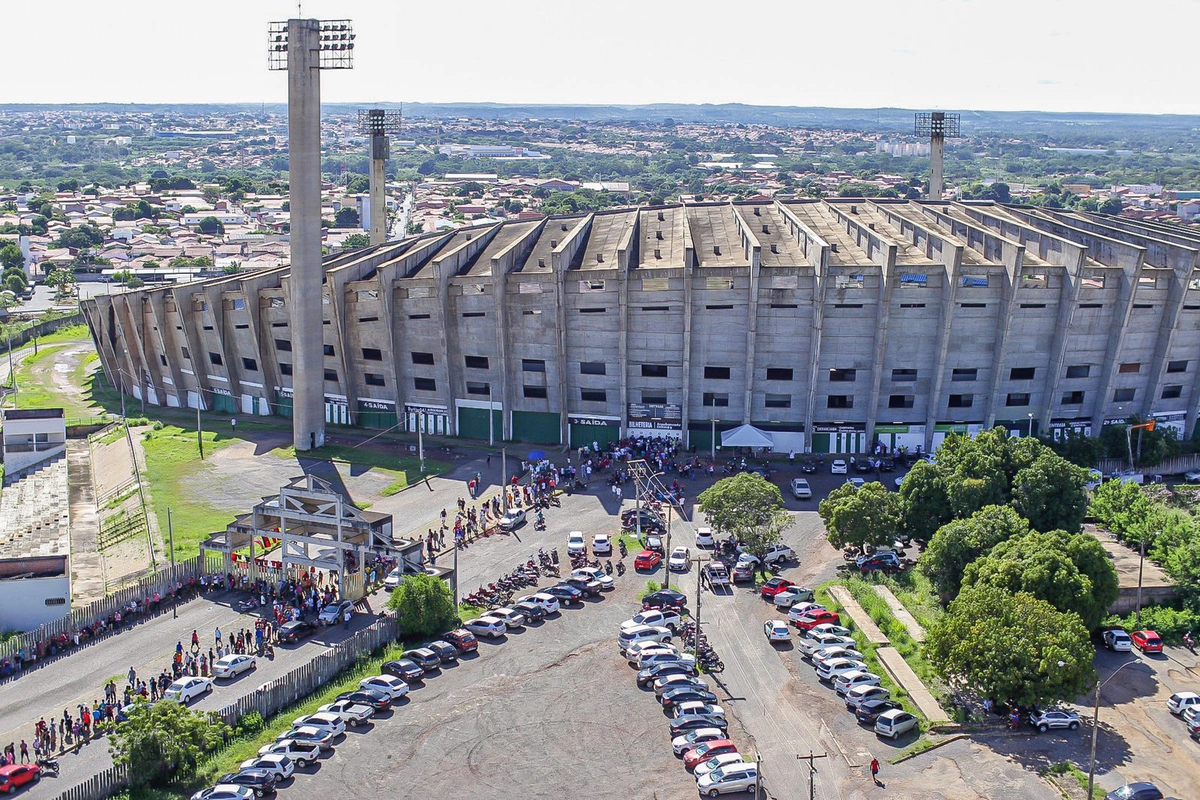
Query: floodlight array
[[379, 121], [335, 41], [936, 124]]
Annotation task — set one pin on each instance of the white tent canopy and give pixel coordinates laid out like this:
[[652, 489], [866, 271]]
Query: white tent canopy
[[746, 436]]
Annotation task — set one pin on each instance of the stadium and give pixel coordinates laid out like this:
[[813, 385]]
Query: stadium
[[830, 325]]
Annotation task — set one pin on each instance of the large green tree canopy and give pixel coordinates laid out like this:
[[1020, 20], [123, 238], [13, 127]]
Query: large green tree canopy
[[861, 518], [958, 543]]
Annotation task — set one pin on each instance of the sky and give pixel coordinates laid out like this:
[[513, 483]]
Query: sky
[[1048, 55]]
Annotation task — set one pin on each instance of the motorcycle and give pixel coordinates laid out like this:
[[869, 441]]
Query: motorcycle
[[620, 567], [48, 765], [1189, 643], [608, 567], [624, 549]]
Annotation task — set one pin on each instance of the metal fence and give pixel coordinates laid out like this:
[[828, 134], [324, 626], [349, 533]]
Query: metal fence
[[103, 784], [1176, 465], [273, 697], [39, 644]]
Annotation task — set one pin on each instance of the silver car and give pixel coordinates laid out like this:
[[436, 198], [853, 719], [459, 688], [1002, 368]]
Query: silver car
[[729, 779]]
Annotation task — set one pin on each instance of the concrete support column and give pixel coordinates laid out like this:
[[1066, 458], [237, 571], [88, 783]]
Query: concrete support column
[[304, 157], [937, 157], [377, 188]]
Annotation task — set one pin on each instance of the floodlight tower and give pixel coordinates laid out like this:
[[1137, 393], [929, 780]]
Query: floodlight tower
[[304, 47], [937, 125], [378, 124]]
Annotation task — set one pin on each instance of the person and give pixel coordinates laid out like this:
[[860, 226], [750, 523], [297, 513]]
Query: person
[[875, 771], [24, 752], [233, 424], [346, 620], [1189, 642], [792, 457]]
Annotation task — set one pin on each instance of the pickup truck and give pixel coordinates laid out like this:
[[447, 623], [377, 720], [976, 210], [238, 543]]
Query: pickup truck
[[718, 574]]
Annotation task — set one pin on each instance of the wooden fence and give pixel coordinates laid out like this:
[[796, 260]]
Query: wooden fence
[[273, 697], [100, 785], [37, 644]]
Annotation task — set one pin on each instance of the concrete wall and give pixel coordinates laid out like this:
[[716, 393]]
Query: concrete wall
[[23, 602]]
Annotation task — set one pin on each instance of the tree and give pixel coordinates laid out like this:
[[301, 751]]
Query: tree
[[355, 240], [866, 517], [164, 739], [956, 544], [923, 497], [211, 226], [1050, 493], [1122, 509], [346, 218], [232, 268], [211, 194], [749, 508], [60, 279], [1009, 647], [11, 256], [1069, 571], [15, 283], [424, 606]]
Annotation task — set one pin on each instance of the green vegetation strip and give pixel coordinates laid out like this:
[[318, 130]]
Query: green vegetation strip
[[403, 469], [1064, 768], [172, 467]]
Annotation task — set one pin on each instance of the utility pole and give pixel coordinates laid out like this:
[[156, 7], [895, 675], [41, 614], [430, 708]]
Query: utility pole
[[421, 440], [199, 435], [1141, 563], [455, 581], [504, 476], [713, 444], [758, 760], [667, 577], [812, 772], [491, 420], [699, 562], [171, 544]]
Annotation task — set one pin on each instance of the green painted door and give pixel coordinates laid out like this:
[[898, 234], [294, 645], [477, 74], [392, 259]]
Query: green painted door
[[473, 423], [584, 435], [224, 404], [535, 426], [820, 443], [374, 418], [283, 405]]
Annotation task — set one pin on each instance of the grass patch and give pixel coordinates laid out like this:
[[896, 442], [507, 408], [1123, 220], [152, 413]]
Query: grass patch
[[468, 612], [1065, 768], [119, 499], [172, 462], [651, 587], [402, 469], [919, 746]]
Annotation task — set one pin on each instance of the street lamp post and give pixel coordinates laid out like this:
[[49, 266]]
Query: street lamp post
[[421, 439], [1030, 424], [1096, 724]]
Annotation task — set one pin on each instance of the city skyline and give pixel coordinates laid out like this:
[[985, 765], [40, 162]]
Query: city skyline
[[1022, 56]]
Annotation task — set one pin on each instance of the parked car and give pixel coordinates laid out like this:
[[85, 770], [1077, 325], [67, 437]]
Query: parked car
[[776, 630], [394, 578], [601, 545], [186, 690], [650, 657], [647, 560], [665, 598], [680, 560], [1182, 701], [464, 641], [821, 655], [296, 630], [894, 723], [706, 750], [856, 482], [730, 779], [810, 465], [692, 739], [485, 626], [654, 543], [390, 685], [14, 776], [588, 586], [261, 782], [652, 674], [354, 714], [323, 739], [322, 720], [1054, 718], [829, 627], [564, 593], [224, 791], [814, 618], [774, 586], [717, 574], [576, 544], [705, 538], [687, 694], [861, 694], [643, 633], [233, 665], [279, 765], [716, 762], [838, 467], [512, 519], [668, 682], [665, 618], [513, 619], [532, 611], [368, 697], [869, 710], [426, 658], [802, 609], [811, 644], [828, 670], [595, 574], [445, 651], [1147, 641], [689, 722], [548, 602], [843, 683], [776, 554], [1140, 790], [1117, 640], [299, 753], [882, 562], [742, 572], [800, 489], [334, 612]]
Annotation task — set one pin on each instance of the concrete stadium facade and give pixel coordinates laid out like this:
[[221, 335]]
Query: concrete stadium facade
[[832, 324]]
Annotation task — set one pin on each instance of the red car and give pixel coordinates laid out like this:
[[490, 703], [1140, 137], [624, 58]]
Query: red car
[[774, 587], [647, 559], [1147, 641], [463, 640], [14, 776], [701, 753], [815, 618]]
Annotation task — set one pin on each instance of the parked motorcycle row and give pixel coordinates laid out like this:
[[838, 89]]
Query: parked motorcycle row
[[500, 592]]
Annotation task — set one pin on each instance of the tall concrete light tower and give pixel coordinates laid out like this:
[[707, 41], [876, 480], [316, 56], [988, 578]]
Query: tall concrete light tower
[[304, 47], [937, 125], [378, 124]]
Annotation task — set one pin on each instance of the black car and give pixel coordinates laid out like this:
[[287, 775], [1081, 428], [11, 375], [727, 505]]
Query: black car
[[742, 573], [887, 465], [809, 466], [687, 694], [1141, 790], [428, 659], [631, 516], [445, 651], [565, 593], [404, 668], [654, 543], [532, 611], [869, 710], [586, 587], [864, 465], [292, 632], [652, 673], [667, 598], [262, 781], [368, 697]]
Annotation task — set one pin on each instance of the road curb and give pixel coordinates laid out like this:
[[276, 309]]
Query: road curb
[[931, 748]]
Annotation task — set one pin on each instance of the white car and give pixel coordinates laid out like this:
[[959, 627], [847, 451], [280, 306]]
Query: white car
[[231, 665], [861, 694], [300, 753], [643, 633], [723, 760], [352, 713], [279, 764], [699, 707], [649, 658], [681, 744], [576, 545], [548, 602], [829, 627], [830, 670], [777, 631], [1192, 477], [394, 578], [225, 791], [389, 685], [664, 618], [705, 538], [730, 779], [322, 720], [679, 560], [812, 644], [601, 545], [333, 613], [799, 610], [487, 626], [825, 654], [800, 489], [856, 482], [776, 553], [512, 519], [186, 690], [634, 651], [594, 574], [852, 680], [1117, 640], [838, 467], [512, 618], [1181, 701], [791, 596]]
